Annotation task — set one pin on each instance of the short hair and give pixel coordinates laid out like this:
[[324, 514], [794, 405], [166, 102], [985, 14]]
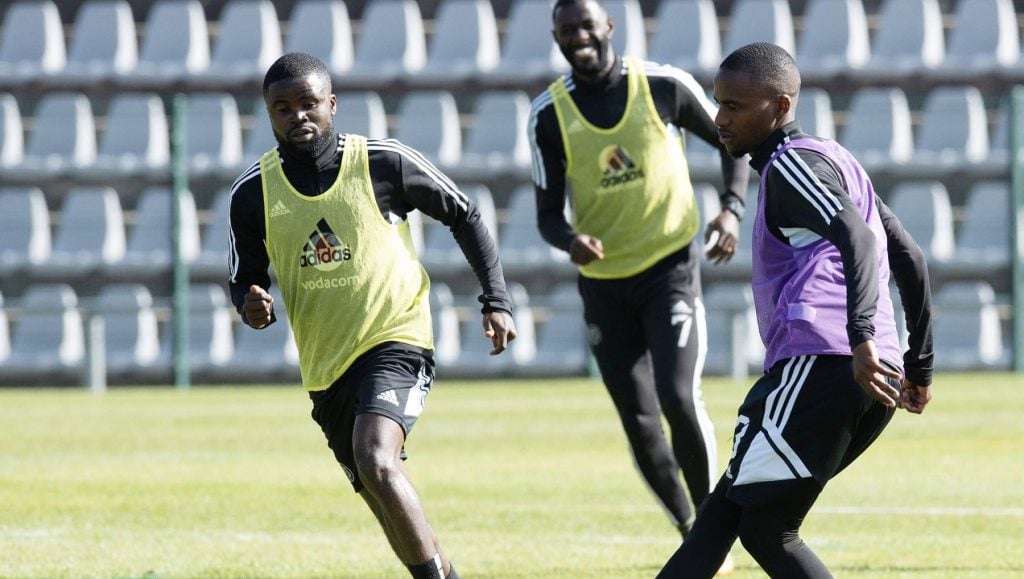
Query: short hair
[[560, 3], [296, 65], [768, 64]]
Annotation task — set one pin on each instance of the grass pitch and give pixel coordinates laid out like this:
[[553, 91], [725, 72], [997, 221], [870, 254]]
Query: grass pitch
[[520, 479]]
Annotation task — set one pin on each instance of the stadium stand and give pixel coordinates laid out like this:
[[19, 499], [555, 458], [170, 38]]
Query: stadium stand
[[878, 129], [5, 336], [523, 252], [464, 46], [48, 341], [983, 242], [562, 348], [834, 40], [175, 46], [391, 44], [12, 138], [130, 329], [32, 42], [952, 136], [925, 210], [361, 113], [814, 111], [496, 143], [968, 334], [733, 345], [211, 263], [24, 230], [248, 41], [104, 44], [90, 234], [759, 21], [686, 36], [474, 351], [445, 318], [262, 355], [322, 27], [213, 134], [148, 252], [428, 121], [909, 41], [528, 54], [441, 255], [211, 341], [62, 139], [135, 143], [630, 37], [984, 40]]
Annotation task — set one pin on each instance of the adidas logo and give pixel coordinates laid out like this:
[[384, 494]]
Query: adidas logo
[[279, 209], [324, 250], [388, 396]]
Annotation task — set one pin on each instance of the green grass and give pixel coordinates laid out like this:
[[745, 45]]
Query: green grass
[[520, 479]]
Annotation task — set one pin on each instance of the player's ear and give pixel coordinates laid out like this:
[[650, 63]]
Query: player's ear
[[783, 105]]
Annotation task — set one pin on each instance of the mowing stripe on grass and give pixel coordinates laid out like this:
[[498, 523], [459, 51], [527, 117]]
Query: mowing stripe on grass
[[929, 511]]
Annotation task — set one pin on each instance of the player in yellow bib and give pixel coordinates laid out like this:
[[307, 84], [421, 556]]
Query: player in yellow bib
[[327, 213], [609, 138]]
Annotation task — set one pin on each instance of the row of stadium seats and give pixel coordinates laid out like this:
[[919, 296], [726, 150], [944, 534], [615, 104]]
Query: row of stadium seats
[[486, 141], [179, 46], [91, 235], [43, 337]]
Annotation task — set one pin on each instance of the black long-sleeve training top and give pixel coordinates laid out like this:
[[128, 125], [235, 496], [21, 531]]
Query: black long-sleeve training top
[[791, 217], [680, 102], [402, 180]]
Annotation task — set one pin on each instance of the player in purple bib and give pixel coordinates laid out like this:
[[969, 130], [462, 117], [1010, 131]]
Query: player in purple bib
[[824, 246]]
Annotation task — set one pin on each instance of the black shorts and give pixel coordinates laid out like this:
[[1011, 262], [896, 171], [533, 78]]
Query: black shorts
[[392, 380], [805, 418]]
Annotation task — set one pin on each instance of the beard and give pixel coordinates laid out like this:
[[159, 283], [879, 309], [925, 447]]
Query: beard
[[310, 150]]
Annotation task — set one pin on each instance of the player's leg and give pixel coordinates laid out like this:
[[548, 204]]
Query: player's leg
[[618, 345], [709, 541], [771, 533], [377, 446], [676, 330]]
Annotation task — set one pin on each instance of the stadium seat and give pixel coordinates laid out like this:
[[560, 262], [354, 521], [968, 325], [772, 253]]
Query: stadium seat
[[24, 230], [703, 159], [48, 341], [953, 134], [562, 348], [211, 263], [248, 41], [734, 346], [926, 212], [322, 28], [523, 251], [90, 233], [175, 45], [759, 21], [135, 141], [262, 355], [814, 111], [528, 53], [259, 137], [474, 359], [148, 252], [878, 128], [908, 42], [361, 113], [444, 315], [630, 38], [983, 41], [210, 340], [739, 267], [834, 40], [984, 240], [391, 45], [62, 139], [709, 204], [103, 46], [464, 44], [31, 42], [441, 255], [428, 121], [687, 36], [213, 133], [5, 335], [130, 329], [12, 138], [968, 333], [496, 142]]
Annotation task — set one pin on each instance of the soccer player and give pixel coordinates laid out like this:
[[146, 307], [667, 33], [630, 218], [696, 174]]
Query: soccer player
[[328, 212], [823, 247], [608, 136]]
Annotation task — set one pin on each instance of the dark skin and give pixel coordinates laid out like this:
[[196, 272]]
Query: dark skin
[[749, 112], [583, 31]]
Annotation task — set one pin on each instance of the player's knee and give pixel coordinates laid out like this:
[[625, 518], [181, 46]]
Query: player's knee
[[376, 466], [766, 540]]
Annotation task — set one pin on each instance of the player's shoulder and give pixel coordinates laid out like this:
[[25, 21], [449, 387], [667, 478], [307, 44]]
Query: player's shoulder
[[249, 182], [658, 72], [545, 100]]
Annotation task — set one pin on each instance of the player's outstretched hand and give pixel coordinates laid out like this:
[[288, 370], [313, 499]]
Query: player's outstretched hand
[[500, 330], [257, 307], [914, 398], [871, 374], [721, 237], [585, 249]]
